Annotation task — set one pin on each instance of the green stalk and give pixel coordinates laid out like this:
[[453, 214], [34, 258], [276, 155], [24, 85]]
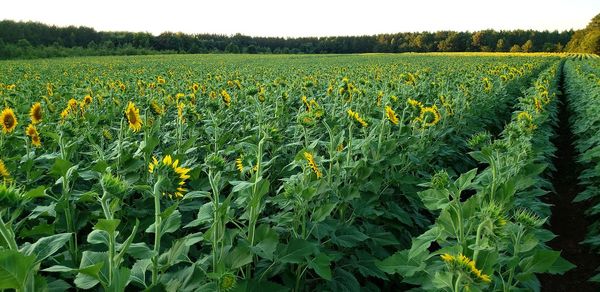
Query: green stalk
[[216, 223], [380, 135], [7, 235], [457, 283], [157, 226], [477, 238]]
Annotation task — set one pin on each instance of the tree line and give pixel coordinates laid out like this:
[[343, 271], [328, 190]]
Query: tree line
[[38, 40]]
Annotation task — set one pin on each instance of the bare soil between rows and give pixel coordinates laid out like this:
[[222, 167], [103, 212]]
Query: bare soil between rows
[[568, 220]]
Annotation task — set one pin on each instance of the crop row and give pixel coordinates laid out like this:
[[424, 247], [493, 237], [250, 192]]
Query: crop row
[[583, 92], [177, 173], [492, 238]]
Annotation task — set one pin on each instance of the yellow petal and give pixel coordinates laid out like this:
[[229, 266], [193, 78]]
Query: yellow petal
[[167, 160]]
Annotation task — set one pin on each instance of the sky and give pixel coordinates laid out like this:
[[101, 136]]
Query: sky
[[304, 18]]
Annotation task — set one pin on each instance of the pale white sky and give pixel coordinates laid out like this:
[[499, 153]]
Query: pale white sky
[[305, 18]]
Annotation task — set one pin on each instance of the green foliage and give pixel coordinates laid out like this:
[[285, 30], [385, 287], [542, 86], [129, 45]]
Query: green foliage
[[186, 173]]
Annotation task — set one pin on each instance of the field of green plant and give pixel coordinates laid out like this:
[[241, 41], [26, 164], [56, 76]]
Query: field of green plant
[[287, 173]]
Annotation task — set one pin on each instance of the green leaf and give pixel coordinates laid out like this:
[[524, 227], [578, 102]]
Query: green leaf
[[169, 225], [322, 212], [59, 269], [348, 236], [320, 264], [108, 225], [238, 257], [139, 250], [251, 285], [98, 237], [465, 179], [295, 251], [91, 269], [540, 262], [561, 266], [46, 246], [422, 243], [120, 280], [36, 193], [239, 186], [401, 264], [138, 271], [59, 286], [434, 199], [125, 246], [267, 240], [443, 280], [60, 167], [15, 268], [344, 281]]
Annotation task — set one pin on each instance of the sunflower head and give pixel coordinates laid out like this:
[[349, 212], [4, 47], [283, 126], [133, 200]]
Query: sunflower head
[[113, 185], [157, 109], [35, 113], [429, 116], [133, 117], [4, 173], [174, 176], [391, 115], [31, 130], [10, 196], [227, 282], [8, 120], [87, 100]]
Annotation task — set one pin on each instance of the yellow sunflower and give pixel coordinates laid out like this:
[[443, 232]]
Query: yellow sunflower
[[226, 97], [391, 115], [313, 165], [176, 175], [32, 132], [9, 120], [133, 117], [35, 113], [429, 116], [239, 165], [4, 171], [87, 100], [36, 141], [354, 115]]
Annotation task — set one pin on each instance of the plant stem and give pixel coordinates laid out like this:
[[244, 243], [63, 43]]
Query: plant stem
[[7, 235], [157, 226]]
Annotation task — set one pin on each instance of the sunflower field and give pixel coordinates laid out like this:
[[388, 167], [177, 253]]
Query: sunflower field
[[287, 173]]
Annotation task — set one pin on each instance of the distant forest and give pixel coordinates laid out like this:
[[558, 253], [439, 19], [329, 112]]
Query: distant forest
[[26, 40]]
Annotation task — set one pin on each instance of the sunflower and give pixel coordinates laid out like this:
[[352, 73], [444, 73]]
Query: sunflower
[[414, 103], [156, 108], [87, 100], [429, 116], [35, 141], [311, 162], [9, 120], [133, 117], [176, 176], [4, 171], [72, 104], [465, 265], [391, 115], [239, 165], [35, 113], [32, 132], [180, 111], [354, 115], [226, 97]]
